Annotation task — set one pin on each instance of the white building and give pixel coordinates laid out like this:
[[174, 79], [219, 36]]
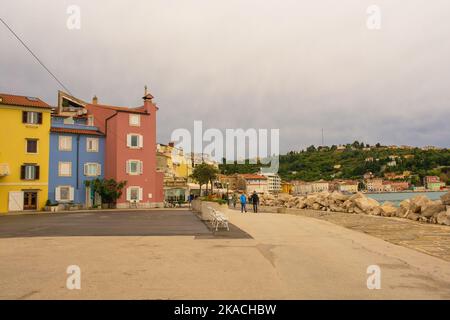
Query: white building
[[273, 182]]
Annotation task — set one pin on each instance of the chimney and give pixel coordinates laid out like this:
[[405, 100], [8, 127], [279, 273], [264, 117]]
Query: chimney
[[94, 100]]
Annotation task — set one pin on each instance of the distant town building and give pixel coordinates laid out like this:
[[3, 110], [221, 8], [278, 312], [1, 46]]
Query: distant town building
[[287, 187], [301, 187], [252, 182], [400, 185], [368, 175], [374, 185], [273, 182], [433, 183], [348, 186], [319, 186]]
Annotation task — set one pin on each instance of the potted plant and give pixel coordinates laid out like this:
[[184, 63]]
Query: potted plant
[[48, 205]]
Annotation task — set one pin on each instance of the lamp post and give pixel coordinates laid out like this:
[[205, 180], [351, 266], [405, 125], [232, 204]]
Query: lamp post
[[228, 198]]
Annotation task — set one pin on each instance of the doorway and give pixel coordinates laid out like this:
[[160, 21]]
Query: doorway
[[30, 200]]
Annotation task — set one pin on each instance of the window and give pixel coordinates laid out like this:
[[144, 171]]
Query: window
[[64, 194], [65, 143], [31, 117], [65, 169], [92, 169], [135, 141], [29, 172], [134, 167], [90, 121], [69, 120], [135, 120], [134, 194], [92, 144], [31, 145]]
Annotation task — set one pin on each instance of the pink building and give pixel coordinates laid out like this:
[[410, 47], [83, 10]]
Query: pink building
[[130, 151]]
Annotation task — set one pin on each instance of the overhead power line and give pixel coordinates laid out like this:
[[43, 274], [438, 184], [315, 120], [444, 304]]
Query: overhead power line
[[35, 56]]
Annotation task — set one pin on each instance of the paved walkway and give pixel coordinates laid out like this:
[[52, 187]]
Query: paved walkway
[[425, 237], [288, 257], [111, 223]]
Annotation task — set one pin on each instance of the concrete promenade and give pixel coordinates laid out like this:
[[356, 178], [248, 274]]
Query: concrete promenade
[[172, 255]]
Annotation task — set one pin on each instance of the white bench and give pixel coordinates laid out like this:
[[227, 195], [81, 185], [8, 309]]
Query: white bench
[[218, 219]]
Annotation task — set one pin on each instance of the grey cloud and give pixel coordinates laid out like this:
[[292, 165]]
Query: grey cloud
[[295, 65]]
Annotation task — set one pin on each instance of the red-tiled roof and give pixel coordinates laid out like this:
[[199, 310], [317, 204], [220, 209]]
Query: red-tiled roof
[[77, 131], [120, 109], [22, 101], [253, 176]]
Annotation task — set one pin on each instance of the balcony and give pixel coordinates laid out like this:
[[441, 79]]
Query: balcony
[[4, 169]]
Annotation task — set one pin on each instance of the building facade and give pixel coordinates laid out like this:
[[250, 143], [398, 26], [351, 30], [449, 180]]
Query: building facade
[[76, 156], [130, 151], [348, 187], [301, 187], [375, 185], [252, 182], [24, 153], [273, 182]]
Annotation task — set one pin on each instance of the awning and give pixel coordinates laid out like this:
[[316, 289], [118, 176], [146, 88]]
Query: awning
[[4, 169]]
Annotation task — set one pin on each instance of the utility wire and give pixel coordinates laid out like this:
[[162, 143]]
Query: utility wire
[[43, 65], [37, 59]]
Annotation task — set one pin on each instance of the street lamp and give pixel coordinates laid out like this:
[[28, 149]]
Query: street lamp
[[228, 198]]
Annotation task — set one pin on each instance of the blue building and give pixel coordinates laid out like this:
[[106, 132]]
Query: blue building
[[77, 151]]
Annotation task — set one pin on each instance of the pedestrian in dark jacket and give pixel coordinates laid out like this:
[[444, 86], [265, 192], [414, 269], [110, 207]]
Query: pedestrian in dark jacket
[[255, 201]]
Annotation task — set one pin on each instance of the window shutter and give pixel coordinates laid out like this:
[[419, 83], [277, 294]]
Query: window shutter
[[85, 169], [99, 169], [128, 194], [22, 172], [24, 116], [140, 194], [141, 141], [39, 118], [36, 177], [57, 194], [128, 140], [71, 194]]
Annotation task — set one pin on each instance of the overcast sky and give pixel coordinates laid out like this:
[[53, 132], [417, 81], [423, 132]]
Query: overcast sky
[[294, 65]]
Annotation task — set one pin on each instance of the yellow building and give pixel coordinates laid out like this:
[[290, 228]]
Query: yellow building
[[287, 187], [24, 153]]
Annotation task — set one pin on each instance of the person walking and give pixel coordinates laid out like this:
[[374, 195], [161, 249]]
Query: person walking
[[190, 198], [255, 201], [234, 200], [243, 199]]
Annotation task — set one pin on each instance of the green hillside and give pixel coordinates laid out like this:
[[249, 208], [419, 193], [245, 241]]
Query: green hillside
[[352, 162]]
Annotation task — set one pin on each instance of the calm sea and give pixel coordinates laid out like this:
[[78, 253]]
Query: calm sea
[[397, 197]]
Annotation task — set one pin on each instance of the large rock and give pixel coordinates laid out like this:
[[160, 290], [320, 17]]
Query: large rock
[[446, 199], [405, 204], [432, 209], [413, 216], [443, 218], [418, 202], [388, 209], [366, 204], [356, 196], [339, 196]]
